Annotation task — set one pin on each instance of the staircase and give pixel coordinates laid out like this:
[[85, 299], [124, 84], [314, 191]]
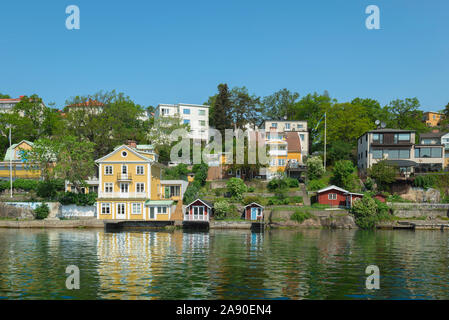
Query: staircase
[[178, 214]]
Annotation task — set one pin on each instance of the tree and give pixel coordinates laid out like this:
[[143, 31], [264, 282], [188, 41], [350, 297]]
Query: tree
[[42, 157], [315, 168], [220, 116], [4, 96], [405, 114], [383, 174], [340, 150], [236, 187], [244, 107], [277, 105], [343, 175]]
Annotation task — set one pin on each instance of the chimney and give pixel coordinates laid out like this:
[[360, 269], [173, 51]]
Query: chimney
[[435, 130], [132, 143]]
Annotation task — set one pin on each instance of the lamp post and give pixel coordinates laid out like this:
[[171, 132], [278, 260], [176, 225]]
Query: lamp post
[[10, 161]]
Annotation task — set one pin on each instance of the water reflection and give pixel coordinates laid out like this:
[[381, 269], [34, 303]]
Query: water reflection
[[223, 264]]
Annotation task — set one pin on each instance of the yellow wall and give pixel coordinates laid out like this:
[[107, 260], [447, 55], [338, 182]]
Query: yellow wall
[[156, 183], [432, 119], [294, 155], [128, 209]]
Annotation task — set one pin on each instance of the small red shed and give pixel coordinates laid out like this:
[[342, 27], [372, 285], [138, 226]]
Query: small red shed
[[198, 210], [253, 212], [337, 197]]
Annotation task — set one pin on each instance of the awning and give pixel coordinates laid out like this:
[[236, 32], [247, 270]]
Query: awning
[[158, 203], [401, 163]]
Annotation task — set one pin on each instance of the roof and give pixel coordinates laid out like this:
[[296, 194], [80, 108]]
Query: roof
[[134, 151], [88, 103], [207, 203], [433, 134], [332, 187], [436, 112], [9, 155], [158, 202], [254, 203], [401, 163], [389, 130]]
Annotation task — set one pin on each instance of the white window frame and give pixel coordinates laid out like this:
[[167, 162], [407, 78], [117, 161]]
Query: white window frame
[[140, 187], [105, 206], [332, 198], [127, 188], [201, 112], [106, 170], [142, 172], [119, 205], [135, 205], [108, 184]]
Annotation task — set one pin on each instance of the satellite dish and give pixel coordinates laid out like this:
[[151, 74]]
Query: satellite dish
[[377, 122], [383, 125]]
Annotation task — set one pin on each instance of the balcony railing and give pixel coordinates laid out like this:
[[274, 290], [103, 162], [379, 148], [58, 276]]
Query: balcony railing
[[122, 195], [124, 176], [274, 152], [196, 217]]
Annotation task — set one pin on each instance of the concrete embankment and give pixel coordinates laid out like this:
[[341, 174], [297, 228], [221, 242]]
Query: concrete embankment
[[83, 223]]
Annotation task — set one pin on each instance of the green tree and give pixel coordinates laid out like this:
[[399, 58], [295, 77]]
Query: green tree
[[277, 105], [4, 96], [236, 187], [245, 108], [315, 168], [383, 174], [343, 175], [42, 157], [220, 113], [405, 114]]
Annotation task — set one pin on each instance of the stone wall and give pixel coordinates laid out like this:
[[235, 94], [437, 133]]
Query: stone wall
[[417, 210], [220, 224], [28, 207], [13, 212], [73, 211]]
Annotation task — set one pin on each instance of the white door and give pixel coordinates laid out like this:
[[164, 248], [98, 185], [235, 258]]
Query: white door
[[124, 190], [121, 211]]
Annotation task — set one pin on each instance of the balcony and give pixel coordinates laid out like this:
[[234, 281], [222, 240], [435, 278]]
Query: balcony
[[124, 176], [196, 217], [122, 195], [274, 152]]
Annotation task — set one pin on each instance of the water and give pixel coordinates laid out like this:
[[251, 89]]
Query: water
[[225, 264]]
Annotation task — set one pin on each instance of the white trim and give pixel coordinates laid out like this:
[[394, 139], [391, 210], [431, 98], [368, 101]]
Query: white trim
[[254, 203], [140, 174], [119, 149], [149, 181], [101, 175], [198, 199], [332, 188], [112, 170]]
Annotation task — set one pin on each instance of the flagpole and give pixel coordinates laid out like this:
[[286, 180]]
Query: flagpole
[[10, 161], [325, 129]]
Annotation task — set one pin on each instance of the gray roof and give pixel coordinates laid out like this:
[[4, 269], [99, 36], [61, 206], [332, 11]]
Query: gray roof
[[390, 130], [432, 134], [401, 163]]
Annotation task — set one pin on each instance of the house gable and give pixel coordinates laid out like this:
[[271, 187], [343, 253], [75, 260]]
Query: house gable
[[123, 154]]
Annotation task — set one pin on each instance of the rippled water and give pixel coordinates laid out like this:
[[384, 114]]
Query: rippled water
[[225, 264]]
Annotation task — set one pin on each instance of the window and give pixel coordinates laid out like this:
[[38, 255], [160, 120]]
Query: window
[[186, 121], [165, 111], [397, 154], [186, 111], [93, 189], [140, 187], [428, 153], [378, 138], [105, 208], [174, 191], [274, 125], [108, 187], [152, 212], [203, 123], [124, 154], [121, 208], [301, 136], [162, 210], [136, 208], [139, 170], [201, 112], [287, 126], [401, 137], [108, 170], [404, 154], [281, 162], [124, 187], [332, 196]]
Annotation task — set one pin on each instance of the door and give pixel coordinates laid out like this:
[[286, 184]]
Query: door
[[254, 213], [124, 189], [124, 172], [152, 216], [237, 173], [121, 211]]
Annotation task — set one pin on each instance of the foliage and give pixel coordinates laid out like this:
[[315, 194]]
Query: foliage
[[300, 216], [424, 182], [314, 185], [276, 106], [340, 150], [369, 184], [79, 199], [292, 182], [178, 172], [250, 199], [221, 108], [48, 189], [42, 211], [201, 174], [251, 189], [25, 184], [236, 187], [276, 201], [191, 193], [315, 168], [368, 211], [221, 209], [383, 174], [343, 175], [277, 184]]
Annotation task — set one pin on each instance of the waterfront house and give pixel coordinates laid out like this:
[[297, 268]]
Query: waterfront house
[[438, 139], [253, 212], [337, 197], [198, 210], [398, 148], [14, 158], [130, 186]]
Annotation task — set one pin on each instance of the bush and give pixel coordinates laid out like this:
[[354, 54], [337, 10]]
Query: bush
[[251, 199], [424, 182], [236, 187], [25, 184], [315, 168], [79, 199], [314, 185], [42, 211], [251, 189], [191, 193], [300, 216], [46, 189], [277, 184], [369, 184], [221, 209], [178, 172], [295, 199], [4, 185], [368, 211], [292, 183], [275, 201]]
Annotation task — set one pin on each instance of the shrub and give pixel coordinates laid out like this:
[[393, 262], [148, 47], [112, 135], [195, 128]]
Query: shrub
[[314, 185], [369, 184], [79, 199], [25, 184], [236, 187], [383, 174], [295, 199], [47, 189], [292, 183], [424, 182], [343, 175], [251, 199], [4, 185], [300, 216], [275, 201], [251, 189], [178, 172], [191, 193], [221, 209], [368, 211], [277, 184], [42, 211], [315, 168]]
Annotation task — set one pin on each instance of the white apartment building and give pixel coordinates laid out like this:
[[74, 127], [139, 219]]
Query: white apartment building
[[195, 115]]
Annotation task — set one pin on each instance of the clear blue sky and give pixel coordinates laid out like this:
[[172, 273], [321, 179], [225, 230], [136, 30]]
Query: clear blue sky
[[179, 50]]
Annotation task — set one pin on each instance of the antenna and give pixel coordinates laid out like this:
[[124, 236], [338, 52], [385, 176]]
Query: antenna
[[383, 125], [377, 122]]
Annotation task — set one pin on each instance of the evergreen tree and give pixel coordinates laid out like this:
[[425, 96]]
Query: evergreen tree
[[221, 117]]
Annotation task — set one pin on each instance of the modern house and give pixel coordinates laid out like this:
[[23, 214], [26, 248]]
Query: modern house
[[199, 210], [253, 212], [7, 105], [437, 138], [432, 119], [337, 197], [398, 148], [130, 187], [14, 158], [195, 115]]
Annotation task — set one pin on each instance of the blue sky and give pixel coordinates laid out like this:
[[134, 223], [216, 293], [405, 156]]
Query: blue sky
[[178, 51]]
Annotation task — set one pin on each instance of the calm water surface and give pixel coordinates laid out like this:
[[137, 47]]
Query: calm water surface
[[309, 264]]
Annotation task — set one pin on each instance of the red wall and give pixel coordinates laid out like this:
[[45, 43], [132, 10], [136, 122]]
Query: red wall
[[380, 197], [323, 198], [248, 211], [198, 203]]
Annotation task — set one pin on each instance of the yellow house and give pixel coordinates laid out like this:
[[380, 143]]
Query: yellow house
[[432, 119], [14, 158], [130, 187]]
